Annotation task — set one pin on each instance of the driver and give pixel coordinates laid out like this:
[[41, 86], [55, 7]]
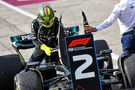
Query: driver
[[45, 30], [124, 11]]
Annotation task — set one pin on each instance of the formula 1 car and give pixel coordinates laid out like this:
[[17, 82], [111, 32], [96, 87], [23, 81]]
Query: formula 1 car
[[83, 64]]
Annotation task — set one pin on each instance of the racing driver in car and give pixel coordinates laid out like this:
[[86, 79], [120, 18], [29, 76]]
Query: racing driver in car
[[45, 30]]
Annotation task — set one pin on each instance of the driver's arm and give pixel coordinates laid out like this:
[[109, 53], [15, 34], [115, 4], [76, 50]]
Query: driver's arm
[[34, 31]]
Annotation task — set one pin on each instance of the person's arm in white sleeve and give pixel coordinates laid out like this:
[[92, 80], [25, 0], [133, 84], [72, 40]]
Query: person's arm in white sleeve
[[109, 21]]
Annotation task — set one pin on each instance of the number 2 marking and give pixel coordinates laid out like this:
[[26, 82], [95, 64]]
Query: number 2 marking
[[79, 71]]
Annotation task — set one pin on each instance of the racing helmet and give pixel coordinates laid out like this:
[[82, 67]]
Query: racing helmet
[[46, 16]]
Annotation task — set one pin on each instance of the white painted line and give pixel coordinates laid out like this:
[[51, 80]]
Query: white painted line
[[18, 10], [114, 56]]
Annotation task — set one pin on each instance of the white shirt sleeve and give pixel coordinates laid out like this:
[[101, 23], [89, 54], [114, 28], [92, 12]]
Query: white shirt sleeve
[[109, 21]]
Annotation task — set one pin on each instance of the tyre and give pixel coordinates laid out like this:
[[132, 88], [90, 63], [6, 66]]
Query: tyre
[[129, 66], [10, 65], [102, 45], [27, 81]]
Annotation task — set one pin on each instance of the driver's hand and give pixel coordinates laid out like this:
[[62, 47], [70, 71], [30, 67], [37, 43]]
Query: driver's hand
[[89, 29], [46, 49]]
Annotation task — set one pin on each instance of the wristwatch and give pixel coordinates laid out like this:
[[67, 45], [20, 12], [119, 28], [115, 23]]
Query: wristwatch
[[95, 29]]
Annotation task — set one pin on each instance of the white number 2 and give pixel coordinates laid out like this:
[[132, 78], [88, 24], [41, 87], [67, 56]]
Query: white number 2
[[79, 71]]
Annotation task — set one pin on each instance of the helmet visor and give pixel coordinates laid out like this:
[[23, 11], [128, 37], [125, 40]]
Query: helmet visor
[[47, 23]]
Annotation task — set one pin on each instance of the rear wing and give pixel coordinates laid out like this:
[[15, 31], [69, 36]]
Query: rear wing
[[22, 42]]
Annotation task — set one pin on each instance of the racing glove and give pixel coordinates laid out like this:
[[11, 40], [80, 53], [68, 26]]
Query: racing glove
[[46, 49]]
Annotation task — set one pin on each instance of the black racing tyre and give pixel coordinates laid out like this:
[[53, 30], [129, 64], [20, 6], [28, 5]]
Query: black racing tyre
[[27, 81], [129, 66], [102, 45], [10, 65]]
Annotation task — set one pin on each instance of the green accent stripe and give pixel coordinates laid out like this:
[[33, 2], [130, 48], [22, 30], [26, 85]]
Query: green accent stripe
[[44, 12]]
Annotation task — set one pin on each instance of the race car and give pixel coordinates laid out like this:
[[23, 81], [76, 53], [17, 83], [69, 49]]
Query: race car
[[83, 64]]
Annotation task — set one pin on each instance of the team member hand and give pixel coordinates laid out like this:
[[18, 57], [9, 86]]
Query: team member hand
[[89, 29], [46, 49]]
